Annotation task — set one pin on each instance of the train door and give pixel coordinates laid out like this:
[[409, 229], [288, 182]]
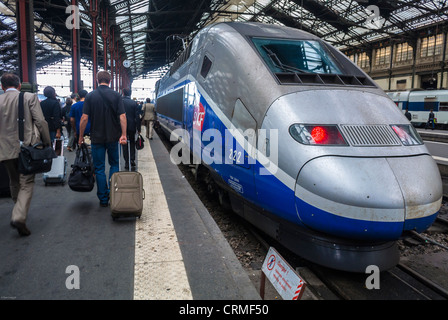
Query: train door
[[240, 150], [191, 124], [190, 93]]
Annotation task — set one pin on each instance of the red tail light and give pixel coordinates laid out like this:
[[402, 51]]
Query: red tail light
[[317, 134]]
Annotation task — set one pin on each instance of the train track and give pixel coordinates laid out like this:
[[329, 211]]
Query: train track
[[402, 282], [399, 283]]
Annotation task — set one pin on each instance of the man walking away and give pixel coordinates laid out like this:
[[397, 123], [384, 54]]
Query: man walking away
[[21, 186], [68, 125], [51, 109], [76, 114], [408, 114], [133, 125], [105, 110], [149, 116]]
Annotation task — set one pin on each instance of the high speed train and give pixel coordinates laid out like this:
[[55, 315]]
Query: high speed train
[[300, 142]]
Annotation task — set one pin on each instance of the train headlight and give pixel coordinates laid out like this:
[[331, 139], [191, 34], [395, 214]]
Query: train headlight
[[317, 134], [407, 134]]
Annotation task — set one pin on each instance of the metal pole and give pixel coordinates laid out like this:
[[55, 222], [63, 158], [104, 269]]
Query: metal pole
[[118, 71], [23, 41], [26, 44], [94, 14], [105, 33], [111, 48], [76, 62], [262, 284]]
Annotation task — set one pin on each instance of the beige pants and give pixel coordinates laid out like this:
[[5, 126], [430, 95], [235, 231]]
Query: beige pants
[[149, 128], [21, 187]]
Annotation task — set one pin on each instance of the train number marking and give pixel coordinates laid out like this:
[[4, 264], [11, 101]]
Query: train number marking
[[235, 155]]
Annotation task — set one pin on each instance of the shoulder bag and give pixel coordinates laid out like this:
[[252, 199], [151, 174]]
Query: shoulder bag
[[139, 143], [82, 177], [36, 158]]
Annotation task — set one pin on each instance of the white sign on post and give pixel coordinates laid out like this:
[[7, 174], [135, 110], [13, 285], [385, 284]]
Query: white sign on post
[[284, 279]]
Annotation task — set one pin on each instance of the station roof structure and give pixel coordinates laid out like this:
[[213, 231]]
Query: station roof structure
[[150, 33]]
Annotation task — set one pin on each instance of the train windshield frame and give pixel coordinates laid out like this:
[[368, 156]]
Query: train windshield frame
[[297, 56]]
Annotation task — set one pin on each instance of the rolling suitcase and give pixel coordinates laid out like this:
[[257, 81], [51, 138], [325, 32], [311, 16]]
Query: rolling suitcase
[[58, 172], [126, 193]]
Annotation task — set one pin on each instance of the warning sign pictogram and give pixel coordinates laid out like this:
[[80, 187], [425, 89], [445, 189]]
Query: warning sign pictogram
[[285, 280]]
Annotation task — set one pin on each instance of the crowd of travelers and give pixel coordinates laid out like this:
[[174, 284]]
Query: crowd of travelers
[[104, 117]]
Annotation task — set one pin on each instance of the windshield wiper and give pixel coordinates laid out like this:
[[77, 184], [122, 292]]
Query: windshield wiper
[[277, 62]]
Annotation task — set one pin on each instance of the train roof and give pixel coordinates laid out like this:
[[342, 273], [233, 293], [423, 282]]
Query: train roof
[[418, 94], [257, 29]]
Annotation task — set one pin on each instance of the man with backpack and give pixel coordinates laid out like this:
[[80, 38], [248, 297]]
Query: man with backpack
[[105, 110], [133, 125]]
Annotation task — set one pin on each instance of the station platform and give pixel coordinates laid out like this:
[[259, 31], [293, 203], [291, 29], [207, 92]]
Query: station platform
[[436, 141], [174, 252]]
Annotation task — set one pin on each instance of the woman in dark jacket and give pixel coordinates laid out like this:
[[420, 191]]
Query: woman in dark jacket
[[52, 112]]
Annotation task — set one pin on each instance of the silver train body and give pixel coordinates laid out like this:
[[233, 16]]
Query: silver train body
[[345, 174]]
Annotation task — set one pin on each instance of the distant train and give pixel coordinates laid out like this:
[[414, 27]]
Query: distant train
[[300, 142], [420, 102]]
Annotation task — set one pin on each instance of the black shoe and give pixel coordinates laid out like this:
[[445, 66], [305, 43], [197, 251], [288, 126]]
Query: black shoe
[[133, 163], [104, 204], [21, 228]]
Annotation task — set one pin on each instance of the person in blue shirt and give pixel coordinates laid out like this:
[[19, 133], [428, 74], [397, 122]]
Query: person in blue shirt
[[431, 120], [76, 114]]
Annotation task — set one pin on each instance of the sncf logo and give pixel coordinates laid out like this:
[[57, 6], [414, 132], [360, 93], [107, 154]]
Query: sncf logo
[[198, 117]]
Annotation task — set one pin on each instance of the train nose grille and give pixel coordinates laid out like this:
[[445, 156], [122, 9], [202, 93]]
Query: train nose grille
[[370, 135]]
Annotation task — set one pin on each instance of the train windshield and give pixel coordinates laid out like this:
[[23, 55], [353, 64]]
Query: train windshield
[[302, 56]]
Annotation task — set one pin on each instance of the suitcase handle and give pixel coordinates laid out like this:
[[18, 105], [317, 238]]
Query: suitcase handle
[[128, 146]]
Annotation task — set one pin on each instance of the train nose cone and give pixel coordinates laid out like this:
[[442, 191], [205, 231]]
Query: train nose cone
[[368, 198], [422, 189]]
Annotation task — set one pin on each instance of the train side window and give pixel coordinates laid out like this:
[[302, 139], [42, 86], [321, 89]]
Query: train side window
[[430, 103], [206, 66], [171, 105], [443, 106]]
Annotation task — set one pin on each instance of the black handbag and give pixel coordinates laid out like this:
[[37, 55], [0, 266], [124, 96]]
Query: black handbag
[[82, 178], [139, 143], [32, 159]]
